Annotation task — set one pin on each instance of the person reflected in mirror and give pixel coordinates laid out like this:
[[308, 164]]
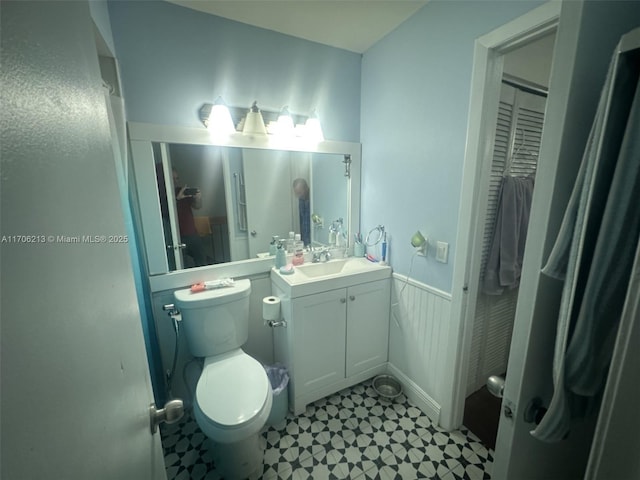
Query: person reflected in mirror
[[301, 190], [187, 200]]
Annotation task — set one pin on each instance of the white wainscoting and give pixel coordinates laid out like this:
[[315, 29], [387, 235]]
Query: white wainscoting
[[418, 339]]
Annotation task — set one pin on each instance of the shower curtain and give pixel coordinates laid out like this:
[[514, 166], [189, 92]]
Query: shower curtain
[[594, 250]]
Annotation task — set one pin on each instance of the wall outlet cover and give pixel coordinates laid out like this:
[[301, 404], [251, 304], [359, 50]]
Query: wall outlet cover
[[442, 252]]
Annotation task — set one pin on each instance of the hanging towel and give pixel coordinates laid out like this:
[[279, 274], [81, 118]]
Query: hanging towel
[[594, 250], [504, 264]]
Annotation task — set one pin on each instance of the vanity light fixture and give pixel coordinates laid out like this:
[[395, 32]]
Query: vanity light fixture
[[220, 122], [313, 129], [285, 125], [254, 123]]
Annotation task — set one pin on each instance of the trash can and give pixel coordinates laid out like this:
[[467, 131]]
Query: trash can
[[279, 380]]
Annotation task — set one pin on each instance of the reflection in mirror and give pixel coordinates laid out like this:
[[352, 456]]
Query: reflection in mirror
[[245, 198], [329, 195], [191, 178]]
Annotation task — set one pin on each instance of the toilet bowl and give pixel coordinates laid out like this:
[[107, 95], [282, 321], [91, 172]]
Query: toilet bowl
[[233, 395]]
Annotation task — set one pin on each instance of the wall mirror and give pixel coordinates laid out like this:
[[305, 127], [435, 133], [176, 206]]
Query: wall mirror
[[245, 194]]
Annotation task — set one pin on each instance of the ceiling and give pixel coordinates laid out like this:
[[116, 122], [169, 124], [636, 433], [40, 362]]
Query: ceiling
[[353, 25]]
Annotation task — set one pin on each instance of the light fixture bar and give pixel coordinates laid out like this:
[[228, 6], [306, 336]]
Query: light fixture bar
[[222, 121]]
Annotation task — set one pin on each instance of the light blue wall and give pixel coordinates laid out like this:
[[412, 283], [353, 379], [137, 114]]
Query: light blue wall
[[174, 59], [415, 101]]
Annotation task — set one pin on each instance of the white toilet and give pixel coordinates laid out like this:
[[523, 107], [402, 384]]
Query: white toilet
[[233, 397]]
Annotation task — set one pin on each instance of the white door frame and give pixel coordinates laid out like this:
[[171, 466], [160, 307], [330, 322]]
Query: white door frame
[[483, 112]]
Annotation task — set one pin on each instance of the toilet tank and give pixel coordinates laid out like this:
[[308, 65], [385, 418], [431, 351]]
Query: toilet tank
[[215, 321]]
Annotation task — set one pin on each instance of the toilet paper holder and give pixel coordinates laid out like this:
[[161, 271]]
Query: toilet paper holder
[[277, 323]]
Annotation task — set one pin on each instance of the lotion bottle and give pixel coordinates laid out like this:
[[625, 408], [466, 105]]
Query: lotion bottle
[[281, 257]]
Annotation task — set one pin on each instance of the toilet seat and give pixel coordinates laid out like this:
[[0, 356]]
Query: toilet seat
[[233, 397]]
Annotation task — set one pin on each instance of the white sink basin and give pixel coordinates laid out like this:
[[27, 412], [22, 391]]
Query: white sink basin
[[312, 278], [314, 270]]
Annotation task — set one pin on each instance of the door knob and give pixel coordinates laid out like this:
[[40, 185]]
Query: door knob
[[172, 412], [495, 385], [253, 233]]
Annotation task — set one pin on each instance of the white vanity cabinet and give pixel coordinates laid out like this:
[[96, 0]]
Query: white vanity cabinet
[[319, 339], [333, 339], [367, 326]]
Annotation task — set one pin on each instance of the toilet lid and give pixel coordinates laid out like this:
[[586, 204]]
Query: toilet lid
[[232, 391]]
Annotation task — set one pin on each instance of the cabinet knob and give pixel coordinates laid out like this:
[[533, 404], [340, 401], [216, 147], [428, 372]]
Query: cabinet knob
[[352, 297], [343, 300]]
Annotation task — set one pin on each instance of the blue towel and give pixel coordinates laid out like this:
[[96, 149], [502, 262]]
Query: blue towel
[[506, 253], [594, 252]]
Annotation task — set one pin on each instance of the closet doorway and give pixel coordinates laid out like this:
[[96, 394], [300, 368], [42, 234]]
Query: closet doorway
[[512, 181]]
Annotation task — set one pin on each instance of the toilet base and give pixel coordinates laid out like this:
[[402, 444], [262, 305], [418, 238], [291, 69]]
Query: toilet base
[[239, 460]]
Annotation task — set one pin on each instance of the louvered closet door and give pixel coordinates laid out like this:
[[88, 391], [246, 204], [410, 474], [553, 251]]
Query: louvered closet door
[[517, 143]]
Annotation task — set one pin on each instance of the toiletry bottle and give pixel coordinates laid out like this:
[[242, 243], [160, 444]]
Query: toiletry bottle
[[281, 256], [332, 234], [384, 249], [298, 257], [340, 240], [273, 246], [290, 242], [298, 244]]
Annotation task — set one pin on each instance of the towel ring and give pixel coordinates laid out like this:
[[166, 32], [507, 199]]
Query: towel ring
[[378, 233]]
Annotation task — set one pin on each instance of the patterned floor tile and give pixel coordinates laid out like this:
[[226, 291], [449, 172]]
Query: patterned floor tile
[[353, 434]]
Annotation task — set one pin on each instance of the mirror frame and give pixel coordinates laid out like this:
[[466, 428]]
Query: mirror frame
[[141, 139]]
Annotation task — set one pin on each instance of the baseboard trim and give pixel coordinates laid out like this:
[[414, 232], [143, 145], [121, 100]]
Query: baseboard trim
[[418, 396]]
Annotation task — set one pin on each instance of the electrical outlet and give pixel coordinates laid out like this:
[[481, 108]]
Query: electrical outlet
[[442, 252]]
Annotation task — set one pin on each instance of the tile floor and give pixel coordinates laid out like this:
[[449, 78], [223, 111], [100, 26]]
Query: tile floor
[[353, 434]]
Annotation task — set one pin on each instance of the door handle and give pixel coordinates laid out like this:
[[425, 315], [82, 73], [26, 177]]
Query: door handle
[[172, 412], [495, 385], [253, 233]]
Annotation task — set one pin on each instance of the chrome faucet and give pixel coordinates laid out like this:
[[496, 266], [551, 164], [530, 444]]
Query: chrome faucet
[[317, 255]]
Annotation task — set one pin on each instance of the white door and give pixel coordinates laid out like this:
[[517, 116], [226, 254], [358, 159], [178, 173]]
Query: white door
[[269, 194], [75, 378], [518, 454], [582, 51]]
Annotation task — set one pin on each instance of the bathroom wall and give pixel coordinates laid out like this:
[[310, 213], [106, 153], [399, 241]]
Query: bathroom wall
[[418, 334], [415, 101], [174, 59]]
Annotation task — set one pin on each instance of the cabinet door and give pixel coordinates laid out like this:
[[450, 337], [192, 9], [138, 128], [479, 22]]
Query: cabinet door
[[320, 324], [367, 325]]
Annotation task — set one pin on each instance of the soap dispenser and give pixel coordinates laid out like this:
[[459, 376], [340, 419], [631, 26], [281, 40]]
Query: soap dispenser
[[281, 256]]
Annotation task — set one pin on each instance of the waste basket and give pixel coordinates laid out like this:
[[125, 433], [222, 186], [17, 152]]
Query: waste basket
[[279, 380]]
